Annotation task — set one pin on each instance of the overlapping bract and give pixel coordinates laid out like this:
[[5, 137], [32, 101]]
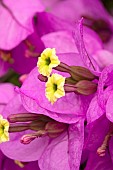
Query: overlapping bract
[[72, 115]]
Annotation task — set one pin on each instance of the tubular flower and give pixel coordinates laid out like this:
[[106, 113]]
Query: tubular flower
[[47, 61], [4, 127], [55, 87]]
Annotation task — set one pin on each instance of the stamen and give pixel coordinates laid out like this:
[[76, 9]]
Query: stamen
[[30, 51], [102, 149], [6, 57], [37, 123], [41, 124], [77, 72], [29, 45], [52, 129], [20, 164]]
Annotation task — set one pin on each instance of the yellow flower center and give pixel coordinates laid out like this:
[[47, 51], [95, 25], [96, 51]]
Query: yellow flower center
[[2, 129], [55, 87], [47, 61]]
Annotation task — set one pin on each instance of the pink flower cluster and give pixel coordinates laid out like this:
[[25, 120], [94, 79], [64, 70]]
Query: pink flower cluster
[[75, 132]]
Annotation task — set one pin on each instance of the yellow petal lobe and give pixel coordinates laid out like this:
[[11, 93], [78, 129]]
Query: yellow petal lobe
[[47, 61], [55, 88]]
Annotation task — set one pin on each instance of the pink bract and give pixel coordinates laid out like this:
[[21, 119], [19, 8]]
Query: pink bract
[[16, 21]]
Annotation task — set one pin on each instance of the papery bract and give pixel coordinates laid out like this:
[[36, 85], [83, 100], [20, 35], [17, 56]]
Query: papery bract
[[5, 162], [23, 152], [69, 109], [5, 95], [16, 21], [100, 163], [24, 58], [41, 103]]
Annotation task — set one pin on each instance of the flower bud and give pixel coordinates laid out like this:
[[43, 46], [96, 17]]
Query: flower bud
[[86, 87], [22, 78], [42, 78], [70, 81], [81, 73], [45, 118], [19, 127], [69, 88], [37, 125], [63, 67], [22, 117], [26, 139], [55, 128]]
